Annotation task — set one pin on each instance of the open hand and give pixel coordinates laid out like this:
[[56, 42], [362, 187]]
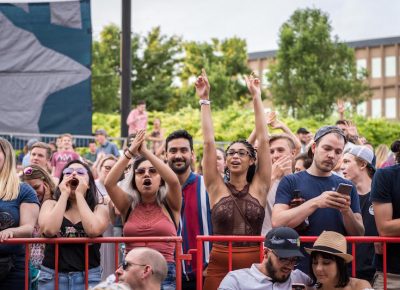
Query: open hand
[[253, 84], [273, 121], [137, 142], [202, 86]]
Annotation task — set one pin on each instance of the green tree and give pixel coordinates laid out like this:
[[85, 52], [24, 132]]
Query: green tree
[[154, 61], [105, 66], [313, 70], [225, 62]]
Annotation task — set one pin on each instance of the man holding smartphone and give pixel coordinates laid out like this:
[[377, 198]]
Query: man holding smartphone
[[325, 208]]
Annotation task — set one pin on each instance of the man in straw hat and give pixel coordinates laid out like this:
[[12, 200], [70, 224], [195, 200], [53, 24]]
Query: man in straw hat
[[328, 263], [276, 271], [324, 208]]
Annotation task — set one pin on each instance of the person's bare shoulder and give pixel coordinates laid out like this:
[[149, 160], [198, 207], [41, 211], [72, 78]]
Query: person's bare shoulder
[[359, 284]]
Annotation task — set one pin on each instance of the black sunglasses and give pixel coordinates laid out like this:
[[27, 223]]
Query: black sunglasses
[[125, 265]]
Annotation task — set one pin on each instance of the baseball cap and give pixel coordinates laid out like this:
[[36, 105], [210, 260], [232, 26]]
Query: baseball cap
[[363, 153], [302, 131], [100, 132], [284, 241], [325, 130]]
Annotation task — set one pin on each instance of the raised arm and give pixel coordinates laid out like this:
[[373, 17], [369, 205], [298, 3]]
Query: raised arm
[[52, 212], [263, 172], [119, 197], [273, 121], [212, 178], [174, 194]]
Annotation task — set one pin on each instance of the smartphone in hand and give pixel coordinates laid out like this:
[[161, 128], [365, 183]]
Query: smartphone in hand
[[344, 188]]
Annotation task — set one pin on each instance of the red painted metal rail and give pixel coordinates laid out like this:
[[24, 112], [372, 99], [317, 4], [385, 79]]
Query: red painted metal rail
[[116, 240], [260, 239]]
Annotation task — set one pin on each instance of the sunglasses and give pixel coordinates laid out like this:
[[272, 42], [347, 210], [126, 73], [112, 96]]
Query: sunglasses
[[80, 171], [28, 171], [291, 260], [142, 171], [125, 265], [241, 153]]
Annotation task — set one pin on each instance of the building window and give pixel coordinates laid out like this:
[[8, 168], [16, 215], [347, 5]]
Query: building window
[[376, 67], [361, 66], [390, 66], [265, 81], [376, 108], [390, 108], [362, 109]]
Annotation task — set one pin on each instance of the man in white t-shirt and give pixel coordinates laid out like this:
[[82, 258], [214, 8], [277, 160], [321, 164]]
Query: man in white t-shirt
[[276, 271]]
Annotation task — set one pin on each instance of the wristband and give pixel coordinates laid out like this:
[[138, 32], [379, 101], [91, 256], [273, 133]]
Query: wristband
[[204, 102], [130, 152], [126, 156]]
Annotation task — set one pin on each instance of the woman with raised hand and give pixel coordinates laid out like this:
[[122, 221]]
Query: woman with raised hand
[[73, 211], [150, 203], [19, 210], [237, 206]]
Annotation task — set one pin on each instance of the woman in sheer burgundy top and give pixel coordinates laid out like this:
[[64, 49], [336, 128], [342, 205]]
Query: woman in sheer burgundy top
[[237, 206]]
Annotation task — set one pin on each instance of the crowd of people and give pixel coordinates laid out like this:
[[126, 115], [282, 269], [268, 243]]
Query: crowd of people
[[330, 184]]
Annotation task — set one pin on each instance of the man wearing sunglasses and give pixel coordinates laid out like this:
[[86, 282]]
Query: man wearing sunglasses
[[143, 268], [281, 253]]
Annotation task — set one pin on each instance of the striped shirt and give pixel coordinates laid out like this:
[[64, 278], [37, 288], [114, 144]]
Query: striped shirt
[[195, 220]]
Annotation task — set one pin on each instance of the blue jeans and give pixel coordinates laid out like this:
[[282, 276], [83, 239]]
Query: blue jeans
[[68, 281], [170, 282]]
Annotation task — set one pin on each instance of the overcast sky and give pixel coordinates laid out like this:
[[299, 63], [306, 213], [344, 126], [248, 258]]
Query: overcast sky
[[257, 21]]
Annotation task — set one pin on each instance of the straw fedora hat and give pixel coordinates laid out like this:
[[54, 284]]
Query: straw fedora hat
[[332, 243]]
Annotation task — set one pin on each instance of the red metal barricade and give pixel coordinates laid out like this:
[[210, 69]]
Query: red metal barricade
[[116, 240], [260, 239]]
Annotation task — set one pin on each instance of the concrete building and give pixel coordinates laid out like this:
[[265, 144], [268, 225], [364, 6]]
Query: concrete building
[[380, 57]]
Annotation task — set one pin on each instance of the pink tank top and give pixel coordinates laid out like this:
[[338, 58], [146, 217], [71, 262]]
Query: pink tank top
[[148, 220]]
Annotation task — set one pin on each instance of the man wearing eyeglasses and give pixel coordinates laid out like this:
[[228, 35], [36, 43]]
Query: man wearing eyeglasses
[[143, 269], [276, 271]]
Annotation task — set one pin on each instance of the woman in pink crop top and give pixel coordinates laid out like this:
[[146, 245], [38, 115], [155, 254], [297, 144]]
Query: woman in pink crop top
[[240, 202], [149, 200]]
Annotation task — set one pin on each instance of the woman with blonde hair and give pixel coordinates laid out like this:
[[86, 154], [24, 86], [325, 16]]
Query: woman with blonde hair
[[237, 204], [381, 154], [19, 211], [149, 200]]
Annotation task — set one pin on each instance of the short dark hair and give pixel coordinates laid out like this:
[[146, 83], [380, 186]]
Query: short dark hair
[[177, 135], [141, 102], [341, 122], [395, 148], [307, 161], [343, 273]]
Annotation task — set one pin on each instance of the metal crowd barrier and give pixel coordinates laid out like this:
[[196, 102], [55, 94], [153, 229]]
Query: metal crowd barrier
[[260, 239], [179, 257]]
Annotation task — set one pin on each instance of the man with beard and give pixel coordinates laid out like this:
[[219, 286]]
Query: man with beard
[[323, 207], [195, 213], [276, 271]]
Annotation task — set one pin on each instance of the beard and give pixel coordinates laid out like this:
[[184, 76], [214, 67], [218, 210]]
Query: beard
[[179, 169], [272, 273]]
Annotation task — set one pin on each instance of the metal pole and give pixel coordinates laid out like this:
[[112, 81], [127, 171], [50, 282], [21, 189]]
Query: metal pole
[[125, 66]]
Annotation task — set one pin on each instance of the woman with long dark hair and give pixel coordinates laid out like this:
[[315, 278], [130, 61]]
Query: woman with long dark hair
[[19, 210], [237, 206], [149, 200], [73, 211]]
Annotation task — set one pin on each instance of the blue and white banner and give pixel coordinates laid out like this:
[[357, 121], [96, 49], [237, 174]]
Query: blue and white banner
[[45, 60]]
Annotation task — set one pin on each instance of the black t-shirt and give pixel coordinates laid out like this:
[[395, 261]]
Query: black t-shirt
[[71, 256], [365, 251], [386, 189]]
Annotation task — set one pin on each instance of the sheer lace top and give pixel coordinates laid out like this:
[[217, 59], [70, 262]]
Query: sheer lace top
[[238, 214]]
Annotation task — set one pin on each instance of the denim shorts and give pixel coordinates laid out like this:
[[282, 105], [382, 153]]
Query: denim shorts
[[170, 282], [68, 281]]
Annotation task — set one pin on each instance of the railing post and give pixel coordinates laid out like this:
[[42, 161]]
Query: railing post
[[27, 258], [353, 263], [384, 266], [178, 264], [86, 265], [56, 267], [199, 268]]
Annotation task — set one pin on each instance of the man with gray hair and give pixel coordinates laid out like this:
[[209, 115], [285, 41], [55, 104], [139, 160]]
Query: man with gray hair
[[143, 268]]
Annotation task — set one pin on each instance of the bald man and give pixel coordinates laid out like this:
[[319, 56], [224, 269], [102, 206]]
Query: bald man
[[143, 268]]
